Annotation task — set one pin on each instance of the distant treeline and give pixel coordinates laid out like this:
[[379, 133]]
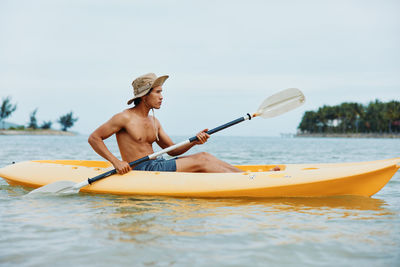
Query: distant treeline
[[376, 117], [7, 108]]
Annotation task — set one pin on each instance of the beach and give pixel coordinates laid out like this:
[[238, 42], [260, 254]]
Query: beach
[[36, 132]]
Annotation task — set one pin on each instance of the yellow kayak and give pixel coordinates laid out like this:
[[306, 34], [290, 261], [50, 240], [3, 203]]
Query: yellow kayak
[[294, 180]]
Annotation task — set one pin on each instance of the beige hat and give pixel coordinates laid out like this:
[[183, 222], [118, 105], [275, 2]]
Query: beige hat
[[143, 84]]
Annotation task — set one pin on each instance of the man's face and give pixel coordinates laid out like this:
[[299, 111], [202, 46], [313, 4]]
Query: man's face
[[154, 99]]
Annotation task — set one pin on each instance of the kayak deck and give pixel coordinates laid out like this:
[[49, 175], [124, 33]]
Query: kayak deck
[[294, 180]]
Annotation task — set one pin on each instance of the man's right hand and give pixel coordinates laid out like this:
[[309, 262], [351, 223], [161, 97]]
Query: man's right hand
[[122, 167]]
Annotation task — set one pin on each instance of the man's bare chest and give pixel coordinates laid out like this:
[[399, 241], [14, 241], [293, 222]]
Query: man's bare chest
[[141, 131]]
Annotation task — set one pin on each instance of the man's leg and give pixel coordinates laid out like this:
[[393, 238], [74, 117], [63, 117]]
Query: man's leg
[[203, 162]]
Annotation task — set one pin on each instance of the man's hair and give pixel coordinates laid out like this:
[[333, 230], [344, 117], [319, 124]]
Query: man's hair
[[138, 100]]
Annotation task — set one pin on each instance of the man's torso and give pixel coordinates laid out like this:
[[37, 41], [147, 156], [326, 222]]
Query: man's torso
[[136, 137]]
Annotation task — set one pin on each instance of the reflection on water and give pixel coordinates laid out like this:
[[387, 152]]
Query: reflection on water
[[144, 219]]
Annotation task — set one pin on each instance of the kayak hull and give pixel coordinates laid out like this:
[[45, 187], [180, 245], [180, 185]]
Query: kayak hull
[[294, 180]]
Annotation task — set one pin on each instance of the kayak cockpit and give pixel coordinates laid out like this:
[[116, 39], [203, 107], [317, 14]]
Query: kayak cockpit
[[105, 164], [80, 163]]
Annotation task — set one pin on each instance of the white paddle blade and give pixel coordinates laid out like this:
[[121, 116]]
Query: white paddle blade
[[281, 102], [64, 187]]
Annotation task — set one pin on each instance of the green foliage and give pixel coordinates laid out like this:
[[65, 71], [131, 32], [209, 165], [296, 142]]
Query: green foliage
[[6, 109], [18, 128], [46, 125], [376, 117], [32, 120], [67, 121]]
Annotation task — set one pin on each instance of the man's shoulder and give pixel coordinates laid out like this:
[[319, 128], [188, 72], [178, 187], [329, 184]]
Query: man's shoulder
[[155, 119], [123, 116]]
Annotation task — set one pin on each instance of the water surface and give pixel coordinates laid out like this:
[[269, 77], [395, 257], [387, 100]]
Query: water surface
[[104, 230]]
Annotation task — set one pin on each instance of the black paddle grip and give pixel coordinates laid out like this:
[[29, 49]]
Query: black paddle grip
[[109, 173], [219, 128]]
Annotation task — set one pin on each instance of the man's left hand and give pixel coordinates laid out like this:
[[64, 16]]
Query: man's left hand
[[202, 137]]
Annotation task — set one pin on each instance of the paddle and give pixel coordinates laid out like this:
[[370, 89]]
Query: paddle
[[274, 105]]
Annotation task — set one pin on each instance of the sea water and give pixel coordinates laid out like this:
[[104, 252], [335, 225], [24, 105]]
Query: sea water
[[108, 230]]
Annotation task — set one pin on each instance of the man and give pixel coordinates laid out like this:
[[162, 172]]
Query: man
[[136, 131]]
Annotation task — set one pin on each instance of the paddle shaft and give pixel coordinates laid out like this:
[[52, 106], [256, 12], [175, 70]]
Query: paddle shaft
[[168, 149]]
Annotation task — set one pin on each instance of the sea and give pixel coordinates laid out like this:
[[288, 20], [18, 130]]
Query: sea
[[109, 230]]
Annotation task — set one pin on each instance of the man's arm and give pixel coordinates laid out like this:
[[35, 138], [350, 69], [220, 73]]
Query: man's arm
[[109, 128], [165, 141]]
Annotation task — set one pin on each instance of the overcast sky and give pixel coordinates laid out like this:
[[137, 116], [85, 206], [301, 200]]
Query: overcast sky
[[223, 58]]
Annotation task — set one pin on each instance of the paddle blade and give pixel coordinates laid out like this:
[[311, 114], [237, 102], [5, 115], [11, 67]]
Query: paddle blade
[[281, 102], [59, 187]]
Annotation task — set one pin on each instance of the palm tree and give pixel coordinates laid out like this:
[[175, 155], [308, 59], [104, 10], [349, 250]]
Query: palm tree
[[391, 113], [353, 117], [6, 109], [375, 113]]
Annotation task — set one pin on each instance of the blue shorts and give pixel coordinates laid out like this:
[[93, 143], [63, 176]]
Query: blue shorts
[[159, 164]]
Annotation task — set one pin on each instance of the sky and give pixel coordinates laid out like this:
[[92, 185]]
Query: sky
[[223, 58]]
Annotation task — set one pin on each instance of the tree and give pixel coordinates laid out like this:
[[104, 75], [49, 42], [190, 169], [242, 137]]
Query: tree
[[46, 125], [375, 116], [308, 122], [6, 109], [391, 113], [32, 120], [349, 117], [67, 121]]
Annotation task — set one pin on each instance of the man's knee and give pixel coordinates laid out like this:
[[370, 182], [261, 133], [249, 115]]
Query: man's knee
[[203, 160], [204, 156], [199, 162]]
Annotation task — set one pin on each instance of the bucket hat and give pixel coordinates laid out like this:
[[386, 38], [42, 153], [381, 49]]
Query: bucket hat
[[143, 84]]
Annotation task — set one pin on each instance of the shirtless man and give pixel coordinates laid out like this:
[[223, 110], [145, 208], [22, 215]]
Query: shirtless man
[[136, 132]]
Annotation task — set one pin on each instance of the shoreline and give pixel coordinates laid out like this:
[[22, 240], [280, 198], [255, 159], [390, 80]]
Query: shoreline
[[36, 132], [350, 135]]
